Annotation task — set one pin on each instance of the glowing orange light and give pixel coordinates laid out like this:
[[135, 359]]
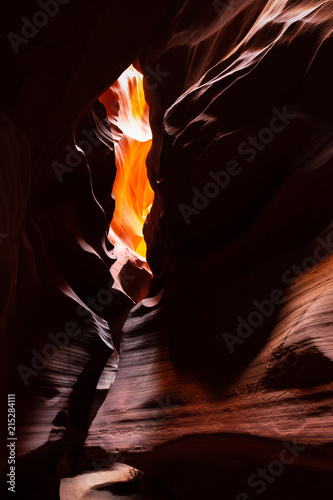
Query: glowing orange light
[[128, 113]]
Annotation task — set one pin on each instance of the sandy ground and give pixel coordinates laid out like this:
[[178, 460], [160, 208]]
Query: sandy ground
[[85, 486], [101, 485]]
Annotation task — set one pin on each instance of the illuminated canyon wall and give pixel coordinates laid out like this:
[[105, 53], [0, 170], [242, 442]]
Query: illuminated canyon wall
[[166, 248]]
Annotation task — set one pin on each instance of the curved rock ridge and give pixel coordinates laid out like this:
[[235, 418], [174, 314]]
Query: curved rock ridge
[[57, 173], [285, 392], [231, 341]]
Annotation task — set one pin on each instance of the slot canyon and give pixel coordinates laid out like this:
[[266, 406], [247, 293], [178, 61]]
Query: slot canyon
[[166, 250]]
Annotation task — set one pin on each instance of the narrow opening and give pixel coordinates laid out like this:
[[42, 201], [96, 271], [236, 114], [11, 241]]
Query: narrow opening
[[128, 114]]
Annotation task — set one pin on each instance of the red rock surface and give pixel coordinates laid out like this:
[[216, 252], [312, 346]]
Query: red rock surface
[[240, 233]]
